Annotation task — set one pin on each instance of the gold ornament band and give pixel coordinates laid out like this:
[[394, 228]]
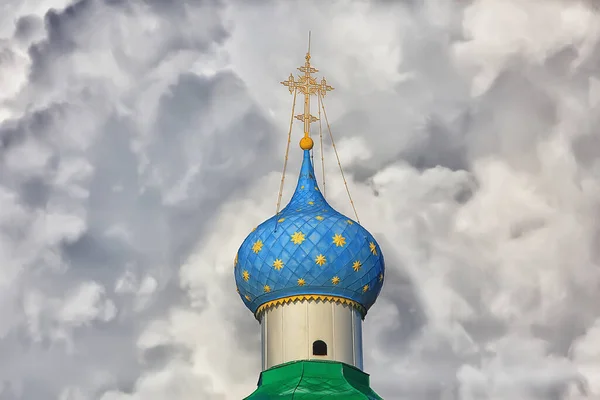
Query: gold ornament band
[[306, 297]]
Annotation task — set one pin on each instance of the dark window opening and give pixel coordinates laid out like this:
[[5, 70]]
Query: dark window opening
[[319, 348]]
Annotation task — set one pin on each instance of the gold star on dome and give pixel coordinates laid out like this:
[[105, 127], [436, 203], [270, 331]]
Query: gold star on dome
[[356, 266], [247, 297], [380, 277], [365, 288], [339, 240], [373, 248], [311, 202], [335, 280], [267, 288], [246, 275], [316, 188], [319, 218], [235, 262], [281, 220], [349, 222], [302, 187], [301, 282], [298, 237], [320, 260], [254, 229], [278, 264], [257, 246]]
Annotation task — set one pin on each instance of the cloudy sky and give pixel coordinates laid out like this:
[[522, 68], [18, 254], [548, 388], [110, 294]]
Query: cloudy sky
[[142, 140]]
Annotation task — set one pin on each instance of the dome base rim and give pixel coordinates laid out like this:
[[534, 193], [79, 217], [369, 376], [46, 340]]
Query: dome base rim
[[307, 297]]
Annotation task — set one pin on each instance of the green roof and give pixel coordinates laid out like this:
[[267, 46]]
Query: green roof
[[314, 379]]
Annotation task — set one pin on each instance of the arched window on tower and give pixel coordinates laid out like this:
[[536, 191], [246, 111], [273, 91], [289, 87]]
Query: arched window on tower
[[319, 348]]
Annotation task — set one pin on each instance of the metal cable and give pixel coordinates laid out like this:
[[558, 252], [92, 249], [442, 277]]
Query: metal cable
[[287, 152], [338, 158], [322, 151]]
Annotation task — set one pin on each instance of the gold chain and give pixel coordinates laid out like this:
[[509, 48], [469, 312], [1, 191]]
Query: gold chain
[[287, 152], [321, 140], [338, 158]]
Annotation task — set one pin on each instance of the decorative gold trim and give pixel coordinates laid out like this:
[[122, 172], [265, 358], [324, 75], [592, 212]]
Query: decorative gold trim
[[306, 297]]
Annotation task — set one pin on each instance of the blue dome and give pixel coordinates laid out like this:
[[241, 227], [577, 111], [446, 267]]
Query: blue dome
[[309, 249]]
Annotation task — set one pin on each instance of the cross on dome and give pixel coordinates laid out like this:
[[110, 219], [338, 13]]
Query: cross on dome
[[309, 87]]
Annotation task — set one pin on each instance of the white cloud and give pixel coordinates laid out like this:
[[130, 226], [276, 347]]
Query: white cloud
[[141, 141]]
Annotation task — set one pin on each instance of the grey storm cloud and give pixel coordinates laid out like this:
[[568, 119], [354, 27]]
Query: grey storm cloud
[[140, 141]]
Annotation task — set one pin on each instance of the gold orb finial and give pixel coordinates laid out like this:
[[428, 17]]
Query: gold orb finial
[[306, 143]]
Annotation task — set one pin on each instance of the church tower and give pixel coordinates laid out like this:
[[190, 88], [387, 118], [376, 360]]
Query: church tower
[[309, 275]]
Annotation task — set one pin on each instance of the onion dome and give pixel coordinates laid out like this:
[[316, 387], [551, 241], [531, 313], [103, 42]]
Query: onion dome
[[309, 250]]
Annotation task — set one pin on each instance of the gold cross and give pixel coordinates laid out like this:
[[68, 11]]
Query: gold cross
[[308, 86]]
